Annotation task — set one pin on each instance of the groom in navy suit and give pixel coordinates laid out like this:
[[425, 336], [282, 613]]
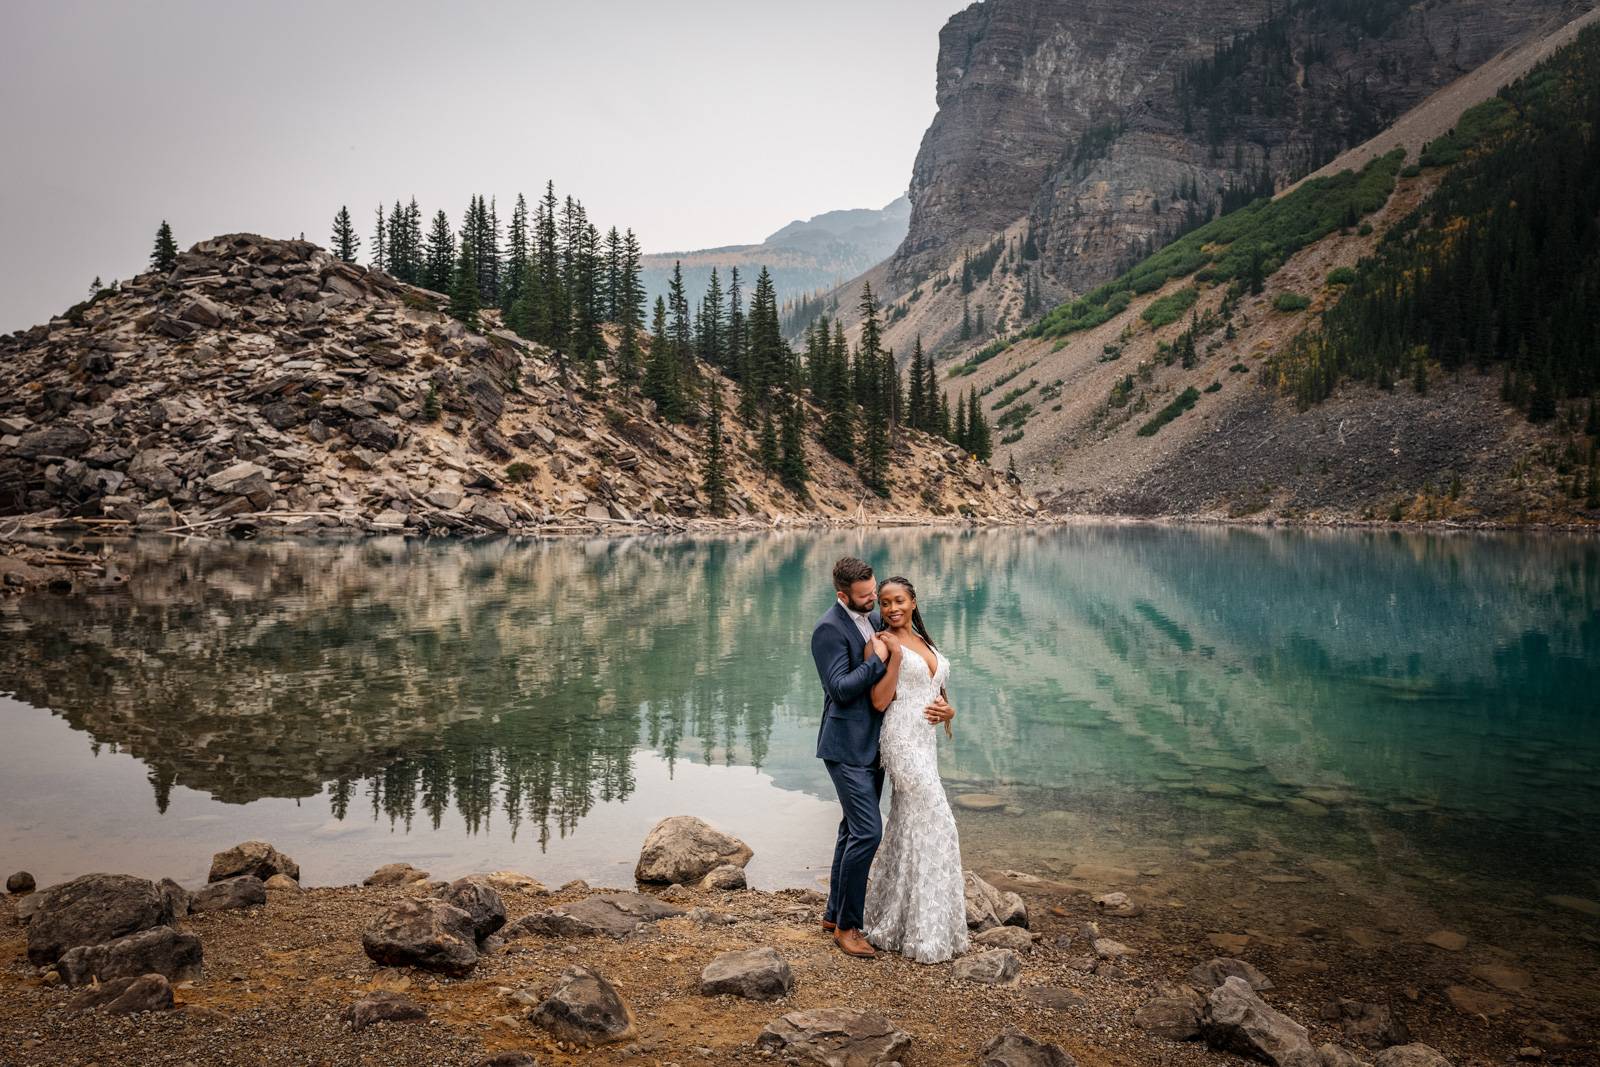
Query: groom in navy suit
[[847, 743]]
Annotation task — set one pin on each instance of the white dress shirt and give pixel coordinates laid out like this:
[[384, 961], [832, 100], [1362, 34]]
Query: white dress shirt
[[863, 623]]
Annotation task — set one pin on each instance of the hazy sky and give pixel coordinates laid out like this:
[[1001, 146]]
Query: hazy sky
[[697, 123]]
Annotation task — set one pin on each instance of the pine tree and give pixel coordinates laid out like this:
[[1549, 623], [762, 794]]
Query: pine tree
[[439, 268], [661, 381], [682, 333], [630, 308], [959, 431], [464, 289], [966, 320], [979, 442], [737, 336], [712, 341], [792, 466], [616, 256], [517, 258], [344, 239], [838, 422], [380, 243], [714, 480], [164, 257], [916, 417]]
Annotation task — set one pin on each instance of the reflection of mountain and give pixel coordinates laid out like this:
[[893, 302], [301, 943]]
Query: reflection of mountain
[[523, 677]]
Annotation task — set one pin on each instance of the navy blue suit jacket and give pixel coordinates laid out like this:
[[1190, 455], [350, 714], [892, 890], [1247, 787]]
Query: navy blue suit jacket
[[849, 730]]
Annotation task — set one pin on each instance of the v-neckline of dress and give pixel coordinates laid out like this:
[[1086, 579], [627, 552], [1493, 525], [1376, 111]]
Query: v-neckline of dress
[[933, 670]]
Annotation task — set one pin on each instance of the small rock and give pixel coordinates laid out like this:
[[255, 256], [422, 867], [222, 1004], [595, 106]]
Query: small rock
[[756, 974], [683, 849], [161, 950], [995, 966], [255, 858], [1237, 1020], [1470, 1001], [1175, 1018], [21, 882], [395, 874], [835, 1036], [507, 881], [676, 893], [1119, 905], [426, 933], [1372, 1026], [245, 891], [1013, 937], [585, 1009], [1016, 1049], [283, 882], [725, 877], [1054, 997], [510, 1059], [1212, 973], [1107, 949], [1332, 1055], [382, 1007], [988, 907], [1448, 940], [1413, 1055], [122, 996], [475, 896]]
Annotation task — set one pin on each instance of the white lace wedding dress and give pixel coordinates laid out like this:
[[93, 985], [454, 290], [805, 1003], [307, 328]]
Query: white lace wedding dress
[[916, 902]]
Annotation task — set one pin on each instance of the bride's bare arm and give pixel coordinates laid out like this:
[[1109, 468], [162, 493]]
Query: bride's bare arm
[[883, 689]]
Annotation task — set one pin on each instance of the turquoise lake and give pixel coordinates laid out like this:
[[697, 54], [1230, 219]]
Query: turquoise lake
[[1384, 732]]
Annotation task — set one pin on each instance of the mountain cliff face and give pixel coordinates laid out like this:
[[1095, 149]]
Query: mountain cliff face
[[1073, 138]]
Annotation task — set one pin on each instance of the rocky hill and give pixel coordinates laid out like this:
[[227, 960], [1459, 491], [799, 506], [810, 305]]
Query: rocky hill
[[265, 383], [804, 256], [1073, 139], [1103, 410]]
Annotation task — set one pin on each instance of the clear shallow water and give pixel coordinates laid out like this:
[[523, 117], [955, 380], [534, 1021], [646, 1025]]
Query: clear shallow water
[[1422, 712]]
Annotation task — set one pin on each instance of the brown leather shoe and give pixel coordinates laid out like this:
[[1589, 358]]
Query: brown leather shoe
[[854, 943], [829, 925]]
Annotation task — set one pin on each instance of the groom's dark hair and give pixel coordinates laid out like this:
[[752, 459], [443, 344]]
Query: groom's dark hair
[[848, 571]]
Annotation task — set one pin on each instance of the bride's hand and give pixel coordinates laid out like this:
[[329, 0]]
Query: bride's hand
[[890, 641], [939, 711]]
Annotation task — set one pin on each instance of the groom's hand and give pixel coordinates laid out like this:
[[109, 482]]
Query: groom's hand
[[939, 711]]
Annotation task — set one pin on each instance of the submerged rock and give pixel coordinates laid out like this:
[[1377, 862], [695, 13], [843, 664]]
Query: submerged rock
[[842, 1036], [1238, 1021], [584, 1008], [683, 849]]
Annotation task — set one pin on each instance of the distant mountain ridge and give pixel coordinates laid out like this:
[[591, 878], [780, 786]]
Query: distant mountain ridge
[[803, 256]]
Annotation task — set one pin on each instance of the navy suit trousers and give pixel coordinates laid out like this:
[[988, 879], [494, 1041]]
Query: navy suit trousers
[[859, 789]]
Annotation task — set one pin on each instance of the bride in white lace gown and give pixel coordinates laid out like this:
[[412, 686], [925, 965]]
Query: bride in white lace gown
[[915, 895]]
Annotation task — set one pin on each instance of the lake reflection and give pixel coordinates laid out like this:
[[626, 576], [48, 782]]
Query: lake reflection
[[539, 705]]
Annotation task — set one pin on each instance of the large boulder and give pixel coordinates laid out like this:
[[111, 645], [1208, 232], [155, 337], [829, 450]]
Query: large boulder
[[835, 1037], [121, 996], [256, 858], [584, 1008], [245, 891], [475, 896], [683, 849], [1413, 1055], [160, 950], [91, 910], [1016, 1049], [1239, 1021], [1212, 973], [1372, 1026], [426, 933], [988, 907], [753, 973], [995, 966], [609, 914]]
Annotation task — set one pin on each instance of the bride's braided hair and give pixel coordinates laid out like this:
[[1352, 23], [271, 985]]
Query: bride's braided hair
[[916, 613]]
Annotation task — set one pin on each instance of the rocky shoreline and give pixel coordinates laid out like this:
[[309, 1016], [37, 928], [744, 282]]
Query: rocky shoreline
[[690, 966]]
